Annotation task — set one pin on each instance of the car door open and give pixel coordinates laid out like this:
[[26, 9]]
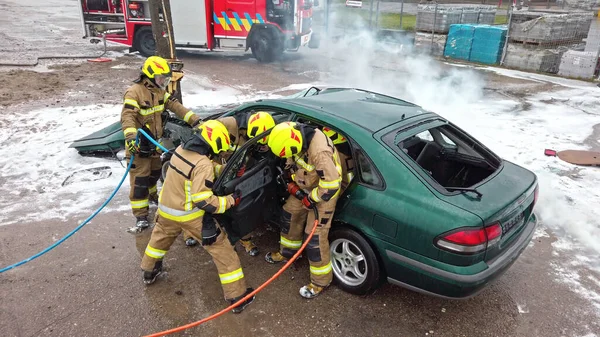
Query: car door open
[[257, 186]]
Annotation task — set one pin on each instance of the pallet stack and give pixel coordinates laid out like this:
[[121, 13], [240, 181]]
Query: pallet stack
[[551, 42], [436, 19]]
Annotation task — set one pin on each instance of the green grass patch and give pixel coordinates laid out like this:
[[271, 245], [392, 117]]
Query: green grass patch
[[500, 19], [351, 16]]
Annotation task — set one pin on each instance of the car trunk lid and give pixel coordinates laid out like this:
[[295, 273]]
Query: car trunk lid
[[507, 197]]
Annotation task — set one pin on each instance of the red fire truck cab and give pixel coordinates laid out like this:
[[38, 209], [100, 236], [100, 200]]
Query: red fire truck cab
[[266, 27]]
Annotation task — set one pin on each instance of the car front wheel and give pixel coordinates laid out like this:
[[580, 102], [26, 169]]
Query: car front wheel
[[355, 265]]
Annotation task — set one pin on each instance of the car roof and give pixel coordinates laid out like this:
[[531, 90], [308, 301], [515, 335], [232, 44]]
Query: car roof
[[369, 110]]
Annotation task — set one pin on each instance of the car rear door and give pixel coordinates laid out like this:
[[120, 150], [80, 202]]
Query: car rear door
[[257, 185]]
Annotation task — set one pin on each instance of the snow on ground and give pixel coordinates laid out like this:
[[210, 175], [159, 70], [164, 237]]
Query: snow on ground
[[36, 159]]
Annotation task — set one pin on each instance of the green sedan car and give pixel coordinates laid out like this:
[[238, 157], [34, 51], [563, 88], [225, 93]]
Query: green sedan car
[[429, 208]]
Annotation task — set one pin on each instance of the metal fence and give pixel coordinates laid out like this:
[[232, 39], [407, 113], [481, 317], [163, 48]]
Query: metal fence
[[556, 37]]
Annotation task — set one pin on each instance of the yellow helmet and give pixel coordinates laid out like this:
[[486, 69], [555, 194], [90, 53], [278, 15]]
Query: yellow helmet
[[215, 134], [259, 123], [285, 140], [158, 71], [336, 137]]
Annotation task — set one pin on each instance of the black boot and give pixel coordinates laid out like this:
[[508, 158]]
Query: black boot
[[150, 276], [242, 306]]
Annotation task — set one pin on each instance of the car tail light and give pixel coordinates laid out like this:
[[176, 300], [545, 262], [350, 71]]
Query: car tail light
[[470, 240]]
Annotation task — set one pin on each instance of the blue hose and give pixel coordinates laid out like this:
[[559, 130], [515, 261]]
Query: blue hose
[[91, 216]]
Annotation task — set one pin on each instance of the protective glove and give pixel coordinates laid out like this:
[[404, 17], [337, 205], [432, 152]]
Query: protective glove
[[210, 231], [295, 190], [132, 146], [237, 197], [307, 202]]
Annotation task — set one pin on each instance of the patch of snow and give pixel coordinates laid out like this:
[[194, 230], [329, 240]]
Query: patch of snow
[[36, 160], [565, 82], [540, 232], [573, 280], [522, 309]]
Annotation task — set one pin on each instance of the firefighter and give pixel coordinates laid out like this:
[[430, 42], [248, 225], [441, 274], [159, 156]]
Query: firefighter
[[341, 144], [143, 106], [186, 202], [315, 170], [241, 127]]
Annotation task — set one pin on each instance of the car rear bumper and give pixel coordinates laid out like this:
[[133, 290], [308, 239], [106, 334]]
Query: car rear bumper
[[435, 281]]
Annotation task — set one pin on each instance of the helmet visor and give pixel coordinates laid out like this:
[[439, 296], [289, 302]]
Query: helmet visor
[[162, 81]]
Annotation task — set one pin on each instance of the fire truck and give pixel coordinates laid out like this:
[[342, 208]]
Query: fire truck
[[266, 27]]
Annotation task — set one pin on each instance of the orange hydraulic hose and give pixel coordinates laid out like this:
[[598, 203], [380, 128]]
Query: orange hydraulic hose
[[262, 286]]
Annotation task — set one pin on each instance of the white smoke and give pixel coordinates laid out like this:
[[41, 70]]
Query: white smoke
[[518, 129]]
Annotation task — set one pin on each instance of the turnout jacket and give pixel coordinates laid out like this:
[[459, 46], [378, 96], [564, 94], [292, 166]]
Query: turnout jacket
[[317, 168], [143, 104], [187, 191]]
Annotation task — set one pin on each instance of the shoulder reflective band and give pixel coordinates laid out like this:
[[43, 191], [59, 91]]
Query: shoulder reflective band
[[131, 102]]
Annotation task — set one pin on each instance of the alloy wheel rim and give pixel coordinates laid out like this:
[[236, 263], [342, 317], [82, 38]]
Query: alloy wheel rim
[[348, 262]]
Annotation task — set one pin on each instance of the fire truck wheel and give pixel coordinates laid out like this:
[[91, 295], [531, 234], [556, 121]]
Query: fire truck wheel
[[266, 48], [143, 41]]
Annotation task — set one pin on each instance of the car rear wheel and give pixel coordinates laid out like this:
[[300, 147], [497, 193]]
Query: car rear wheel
[[355, 265]]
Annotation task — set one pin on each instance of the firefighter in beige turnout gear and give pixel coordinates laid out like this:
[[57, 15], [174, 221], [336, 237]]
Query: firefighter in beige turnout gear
[[143, 106], [186, 202], [241, 128], [315, 169], [341, 144]]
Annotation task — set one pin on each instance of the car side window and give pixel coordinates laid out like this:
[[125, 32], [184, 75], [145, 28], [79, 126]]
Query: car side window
[[367, 171]]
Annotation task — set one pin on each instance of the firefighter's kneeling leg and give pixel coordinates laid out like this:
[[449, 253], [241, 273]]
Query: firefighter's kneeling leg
[[163, 235], [317, 249], [228, 265], [292, 225]]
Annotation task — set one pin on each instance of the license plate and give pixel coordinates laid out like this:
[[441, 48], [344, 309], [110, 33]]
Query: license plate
[[513, 222]]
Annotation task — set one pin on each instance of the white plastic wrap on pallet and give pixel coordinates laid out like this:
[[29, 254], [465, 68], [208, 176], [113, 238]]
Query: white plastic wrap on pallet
[[579, 64]]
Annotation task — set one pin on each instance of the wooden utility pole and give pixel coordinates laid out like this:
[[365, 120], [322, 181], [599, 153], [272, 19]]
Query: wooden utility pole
[[162, 29]]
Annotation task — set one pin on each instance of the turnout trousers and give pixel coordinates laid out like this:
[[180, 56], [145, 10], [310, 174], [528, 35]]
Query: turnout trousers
[[143, 176], [297, 223], [224, 256]]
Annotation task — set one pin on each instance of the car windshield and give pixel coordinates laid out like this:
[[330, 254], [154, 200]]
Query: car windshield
[[448, 156]]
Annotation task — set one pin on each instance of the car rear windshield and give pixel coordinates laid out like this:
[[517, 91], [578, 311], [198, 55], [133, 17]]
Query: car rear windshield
[[447, 155]]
